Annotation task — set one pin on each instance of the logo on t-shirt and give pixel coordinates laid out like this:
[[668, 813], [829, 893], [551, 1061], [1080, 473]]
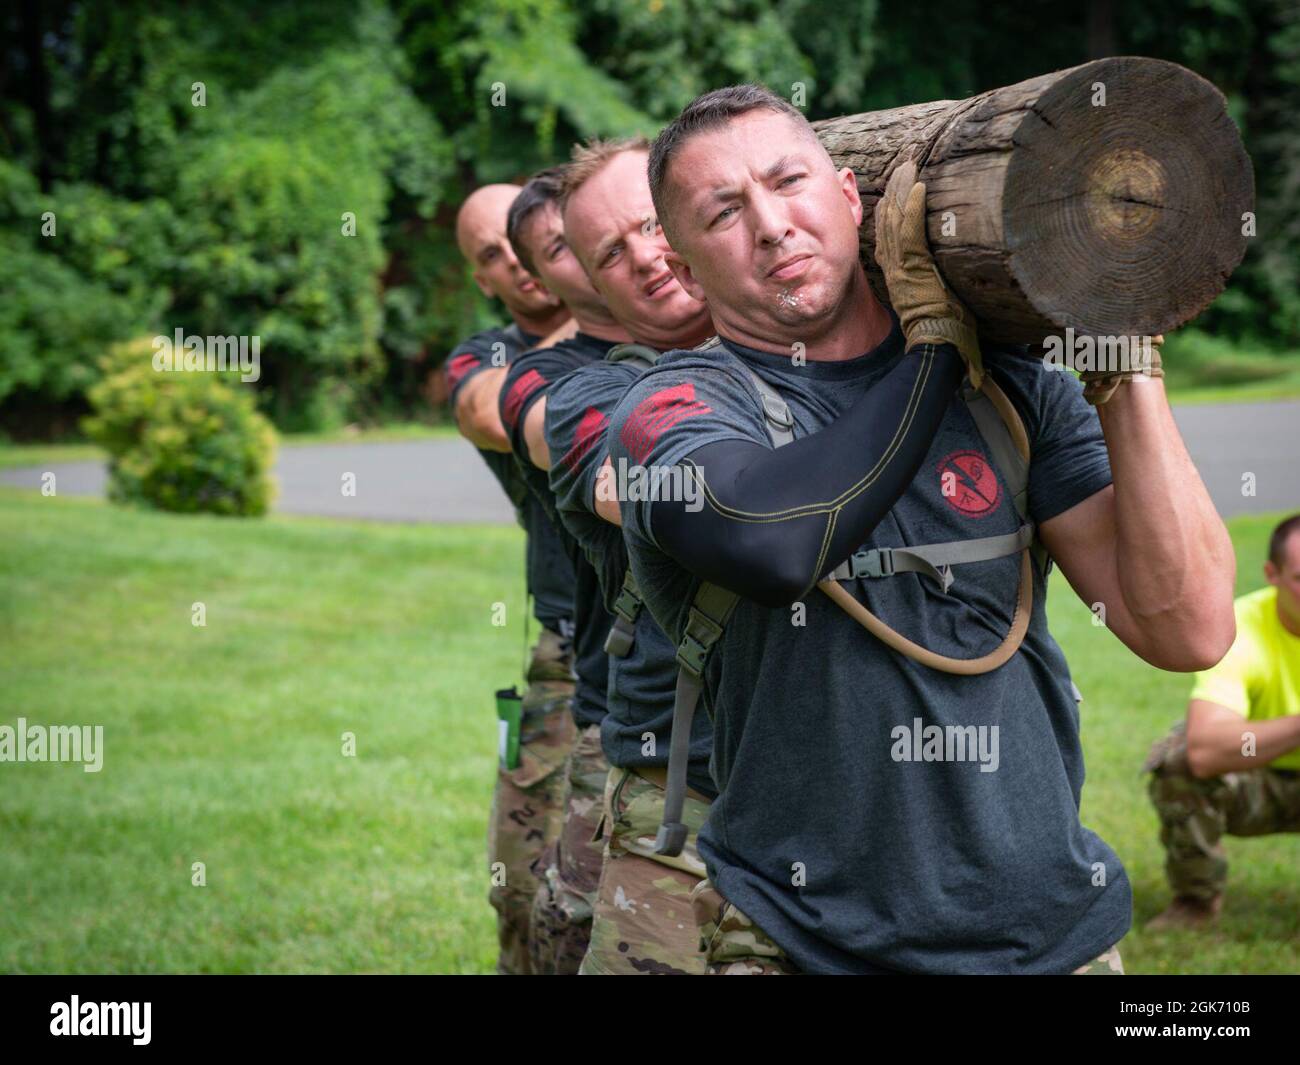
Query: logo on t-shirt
[[968, 483], [656, 413], [527, 384], [458, 366], [590, 430]]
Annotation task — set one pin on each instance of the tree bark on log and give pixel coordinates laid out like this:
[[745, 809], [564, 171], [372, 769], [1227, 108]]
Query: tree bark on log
[[1111, 198]]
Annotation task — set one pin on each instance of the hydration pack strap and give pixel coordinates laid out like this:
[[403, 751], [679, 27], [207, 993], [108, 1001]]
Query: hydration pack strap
[[627, 608], [705, 624], [642, 356], [932, 560], [950, 553]]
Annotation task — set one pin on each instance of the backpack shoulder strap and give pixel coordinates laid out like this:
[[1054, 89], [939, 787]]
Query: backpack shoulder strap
[[776, 412], [642, 356], [706, 622], [627, 607], [993, 420], [1013, 466], [935, 559]]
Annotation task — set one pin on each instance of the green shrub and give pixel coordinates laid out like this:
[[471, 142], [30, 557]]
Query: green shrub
[[180, 441]]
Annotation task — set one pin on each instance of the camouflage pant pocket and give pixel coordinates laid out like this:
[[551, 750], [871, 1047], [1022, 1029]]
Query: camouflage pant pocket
[[1107, 964], [734, 945], [560, 927]]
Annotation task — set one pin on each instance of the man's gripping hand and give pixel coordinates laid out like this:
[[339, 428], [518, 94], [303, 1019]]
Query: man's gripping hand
[[927, 311]]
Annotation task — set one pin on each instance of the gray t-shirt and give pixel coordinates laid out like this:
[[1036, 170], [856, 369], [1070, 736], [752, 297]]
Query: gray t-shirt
[[529, 379], [548, 571], [637, 730], [851, 858]]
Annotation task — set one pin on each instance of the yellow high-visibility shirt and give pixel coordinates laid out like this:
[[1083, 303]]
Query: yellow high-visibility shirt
[[1260, 676]]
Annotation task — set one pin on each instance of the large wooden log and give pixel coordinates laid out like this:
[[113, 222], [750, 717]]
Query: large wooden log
[[1048, 208]]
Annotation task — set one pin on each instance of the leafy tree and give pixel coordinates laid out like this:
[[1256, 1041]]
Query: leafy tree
[[228, 218]]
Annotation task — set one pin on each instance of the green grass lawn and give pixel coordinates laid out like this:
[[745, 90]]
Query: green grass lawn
[[1126, 706], [223, 745], [14, 455]]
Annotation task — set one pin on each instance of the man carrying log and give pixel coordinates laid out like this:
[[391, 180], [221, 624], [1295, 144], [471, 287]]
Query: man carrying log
[[570, 870], [527, 801], [852, 834], [1233, 766], [642, 922], [632, 293]]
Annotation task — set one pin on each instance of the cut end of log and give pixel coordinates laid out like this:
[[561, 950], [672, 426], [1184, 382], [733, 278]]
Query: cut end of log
[[1110, 198], [1125, 201]]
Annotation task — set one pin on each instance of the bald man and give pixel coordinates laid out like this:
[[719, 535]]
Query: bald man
[[527, 807]]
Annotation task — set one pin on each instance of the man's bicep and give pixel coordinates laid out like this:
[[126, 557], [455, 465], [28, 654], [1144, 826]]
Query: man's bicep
[[605, 501], [1081, 541], [1202, 712], [475, 382], [575, 422], [476, 410]]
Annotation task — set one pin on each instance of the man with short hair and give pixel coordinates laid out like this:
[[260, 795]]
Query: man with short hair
[[562, 905], [1233, 766], [848, 837], [527, 801], [642, 920]]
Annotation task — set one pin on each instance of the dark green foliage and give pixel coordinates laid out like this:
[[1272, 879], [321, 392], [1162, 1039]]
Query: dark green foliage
[[227, 218]]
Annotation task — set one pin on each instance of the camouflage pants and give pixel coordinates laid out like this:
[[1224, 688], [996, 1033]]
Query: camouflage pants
[[643, 923], [1196, 813], [736, 946], [563, 903], [527, 809]]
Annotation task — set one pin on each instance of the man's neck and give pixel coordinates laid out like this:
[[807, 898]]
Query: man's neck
[[682, 342], [540, 327], [1289, 622], [864, 326], [605, 328]]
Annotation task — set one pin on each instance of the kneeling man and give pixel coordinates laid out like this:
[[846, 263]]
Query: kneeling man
[[1233, 767]]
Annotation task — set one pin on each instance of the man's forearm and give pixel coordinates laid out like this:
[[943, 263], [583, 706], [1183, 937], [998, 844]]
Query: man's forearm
[[1174, 559], [768, 523], [1215, 745], [476, 411]]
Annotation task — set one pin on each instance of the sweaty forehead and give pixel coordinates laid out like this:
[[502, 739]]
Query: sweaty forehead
[[744, 149], [612, 202]]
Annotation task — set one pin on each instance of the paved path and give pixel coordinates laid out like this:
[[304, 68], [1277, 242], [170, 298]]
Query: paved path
[[445, 481]]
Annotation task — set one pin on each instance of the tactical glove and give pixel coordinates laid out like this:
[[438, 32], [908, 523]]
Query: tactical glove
[[927, 311], [1100, 385]]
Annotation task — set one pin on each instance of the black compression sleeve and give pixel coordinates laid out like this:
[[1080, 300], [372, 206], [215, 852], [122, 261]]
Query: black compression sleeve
[[774, 521]]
